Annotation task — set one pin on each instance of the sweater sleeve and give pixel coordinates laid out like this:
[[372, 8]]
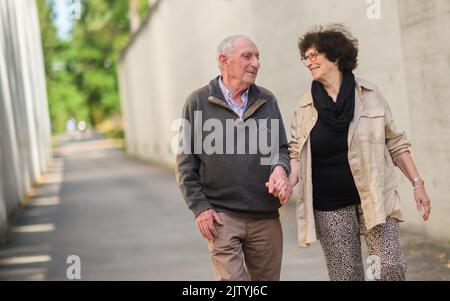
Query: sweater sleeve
[[283, 154], [188, 165]]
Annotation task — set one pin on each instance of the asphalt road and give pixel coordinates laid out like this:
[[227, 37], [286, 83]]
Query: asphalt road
[[125, 220]]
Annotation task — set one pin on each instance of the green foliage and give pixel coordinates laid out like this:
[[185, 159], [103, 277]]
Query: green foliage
[[81, 72], [48, 32], [142, 8]]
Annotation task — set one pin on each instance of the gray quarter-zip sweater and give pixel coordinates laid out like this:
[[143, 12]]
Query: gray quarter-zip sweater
[[231, 178]]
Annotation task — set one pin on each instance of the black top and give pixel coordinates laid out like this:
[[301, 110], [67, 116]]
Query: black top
[[336, 115], [332, 180]]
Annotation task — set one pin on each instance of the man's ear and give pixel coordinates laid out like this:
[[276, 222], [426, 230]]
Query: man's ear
[[223, 60]]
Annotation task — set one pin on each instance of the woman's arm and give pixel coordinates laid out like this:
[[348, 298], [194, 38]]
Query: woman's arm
[[399, 146], [406, 164], [295, 171]]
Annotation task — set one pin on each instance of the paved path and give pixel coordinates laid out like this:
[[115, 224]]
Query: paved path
[[126, 220]]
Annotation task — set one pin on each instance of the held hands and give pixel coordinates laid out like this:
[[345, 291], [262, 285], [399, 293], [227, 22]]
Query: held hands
[[422, 201], [205, 222], [279, 185]]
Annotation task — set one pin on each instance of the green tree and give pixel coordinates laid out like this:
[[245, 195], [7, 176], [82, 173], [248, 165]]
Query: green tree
[[82, 71], [64, 97], [98, 37]]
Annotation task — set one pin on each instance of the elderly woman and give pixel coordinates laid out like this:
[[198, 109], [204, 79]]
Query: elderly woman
[[343, 151]]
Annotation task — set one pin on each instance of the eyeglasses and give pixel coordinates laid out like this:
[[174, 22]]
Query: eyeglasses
[[312, 57]]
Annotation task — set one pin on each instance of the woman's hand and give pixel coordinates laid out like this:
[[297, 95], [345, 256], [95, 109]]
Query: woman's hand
[[407, 166], [285, 194], [423, 203]]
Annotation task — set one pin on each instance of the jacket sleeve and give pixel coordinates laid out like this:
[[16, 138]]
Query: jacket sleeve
[[294, 151], [283, 155], [396, 139], [188, 166]]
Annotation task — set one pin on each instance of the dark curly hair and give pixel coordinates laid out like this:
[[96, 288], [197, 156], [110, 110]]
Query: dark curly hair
[[336, 42]]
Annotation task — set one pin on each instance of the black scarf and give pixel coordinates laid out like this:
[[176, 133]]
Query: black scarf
[[336, 116]]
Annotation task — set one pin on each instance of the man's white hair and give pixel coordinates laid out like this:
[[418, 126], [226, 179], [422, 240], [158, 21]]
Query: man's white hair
[[227, 45]]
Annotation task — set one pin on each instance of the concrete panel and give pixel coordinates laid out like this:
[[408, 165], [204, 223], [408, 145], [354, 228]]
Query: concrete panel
[[24, 118], [425, 28], [3, 214], [12, 182], [174, 53]]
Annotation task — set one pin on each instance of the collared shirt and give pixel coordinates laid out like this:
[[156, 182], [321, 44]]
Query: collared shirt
[[238, 109], [374, 144]]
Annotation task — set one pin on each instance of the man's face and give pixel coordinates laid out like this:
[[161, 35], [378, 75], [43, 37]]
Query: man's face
[[243, 64]]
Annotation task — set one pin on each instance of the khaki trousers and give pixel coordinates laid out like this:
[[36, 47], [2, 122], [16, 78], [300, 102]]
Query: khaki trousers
[[247, 249]]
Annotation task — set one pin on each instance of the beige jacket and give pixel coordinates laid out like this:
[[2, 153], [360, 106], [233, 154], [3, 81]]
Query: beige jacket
[[374, 143]]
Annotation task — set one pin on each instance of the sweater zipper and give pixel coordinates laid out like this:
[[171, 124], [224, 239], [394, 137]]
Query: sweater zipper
[[255, 106]]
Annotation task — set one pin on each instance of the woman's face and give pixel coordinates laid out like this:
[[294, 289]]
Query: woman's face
[[318, 64]]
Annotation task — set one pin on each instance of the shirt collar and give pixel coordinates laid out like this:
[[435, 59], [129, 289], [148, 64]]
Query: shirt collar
[[227, 94]]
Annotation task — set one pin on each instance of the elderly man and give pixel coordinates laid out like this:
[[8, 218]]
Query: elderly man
[[232, 192]]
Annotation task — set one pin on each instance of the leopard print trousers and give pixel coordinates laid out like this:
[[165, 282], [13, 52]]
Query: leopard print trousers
[[339, 234]]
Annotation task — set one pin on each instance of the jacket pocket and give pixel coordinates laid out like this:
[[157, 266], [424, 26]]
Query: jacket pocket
[[371, 126]]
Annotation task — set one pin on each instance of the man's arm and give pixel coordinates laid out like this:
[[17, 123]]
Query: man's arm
[[283, 152], [278, 183], [188, 179], [187, 167]]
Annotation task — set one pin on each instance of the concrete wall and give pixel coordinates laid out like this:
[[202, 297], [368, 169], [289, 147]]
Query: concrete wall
[[425, 30], [24, 117], [174, 53]]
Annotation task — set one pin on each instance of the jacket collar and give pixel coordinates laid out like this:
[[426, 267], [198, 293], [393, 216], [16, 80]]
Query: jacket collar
[[361, 84], [214, 91]]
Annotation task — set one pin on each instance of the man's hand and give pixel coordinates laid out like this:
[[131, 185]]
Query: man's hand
[[205, 222], [279, 185]]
